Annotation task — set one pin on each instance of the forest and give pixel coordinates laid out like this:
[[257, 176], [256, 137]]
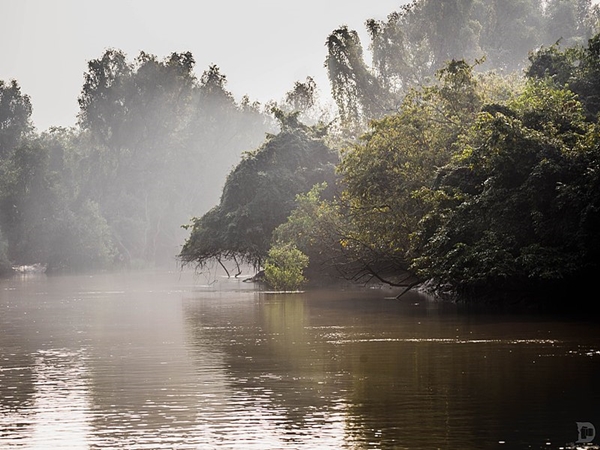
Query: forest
[[463, 155]]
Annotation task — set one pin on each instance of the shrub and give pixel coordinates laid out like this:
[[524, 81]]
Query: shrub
[[284, 267]]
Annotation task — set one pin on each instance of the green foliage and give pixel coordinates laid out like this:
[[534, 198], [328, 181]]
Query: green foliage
[[574, 68], [44, 219], [284, 267], [418, 39], [15, 117], [478, 186], [152, 147], [514, 200], [302, 97], [479, 180], [395, 159], [315, 227], [258, 196], [81, 239], [354, 87]]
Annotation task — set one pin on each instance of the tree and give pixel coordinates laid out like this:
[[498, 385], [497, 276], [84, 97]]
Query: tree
[[43, 214], [576, 68], [354, 87], [15, 126], [15, 117], [570, 21], [5, 265], [316, 226], [158, 137], [418, 39], [302, 97], [259, 195], [134, 113], [509, 31]]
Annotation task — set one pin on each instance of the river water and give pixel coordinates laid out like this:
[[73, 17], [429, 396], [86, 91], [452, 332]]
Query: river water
[[180, 361]]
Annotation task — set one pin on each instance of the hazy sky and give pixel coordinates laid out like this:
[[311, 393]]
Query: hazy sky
[[262, 46]]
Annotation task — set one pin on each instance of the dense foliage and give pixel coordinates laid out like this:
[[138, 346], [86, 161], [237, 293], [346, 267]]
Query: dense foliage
[[515, 207], [259, 195], [518, 206], [284, 267], [164, 141], [484, 185], [420, 38]]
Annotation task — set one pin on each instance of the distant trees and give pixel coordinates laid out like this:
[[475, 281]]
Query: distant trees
[[356, 90], [163, 142], [43, 217], [152, 148], [576, 68], [15, 125], [418, 39], [4, 261]]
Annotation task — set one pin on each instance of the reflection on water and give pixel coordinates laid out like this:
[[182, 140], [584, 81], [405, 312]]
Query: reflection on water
[[57, 409], [162, 361]]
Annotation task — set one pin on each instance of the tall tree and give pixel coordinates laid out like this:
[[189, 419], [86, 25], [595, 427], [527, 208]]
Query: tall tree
[[576, 68], [570, 21], [15, 117], [15, 125], [44, 217], [161, 143], [355, 88]]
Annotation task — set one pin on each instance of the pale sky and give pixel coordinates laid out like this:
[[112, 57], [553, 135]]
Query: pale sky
[[262, 46]]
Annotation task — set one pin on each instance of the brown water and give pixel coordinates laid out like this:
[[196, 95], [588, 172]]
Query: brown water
[[165, 361]]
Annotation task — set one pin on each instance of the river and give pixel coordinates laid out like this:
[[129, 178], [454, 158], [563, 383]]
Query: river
[[173, 360]]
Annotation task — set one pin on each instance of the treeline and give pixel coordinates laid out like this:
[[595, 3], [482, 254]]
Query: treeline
[[151, 148], [417, 40], [465, 152], [483, 181]]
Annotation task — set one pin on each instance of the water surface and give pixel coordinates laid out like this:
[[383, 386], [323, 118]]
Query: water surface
[[173, 360]]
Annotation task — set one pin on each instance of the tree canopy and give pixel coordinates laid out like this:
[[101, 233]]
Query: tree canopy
[[164, 141], [516, 207], [418, 39], [259, 194]]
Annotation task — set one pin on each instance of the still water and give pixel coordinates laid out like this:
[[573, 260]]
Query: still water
[[170, 361]]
